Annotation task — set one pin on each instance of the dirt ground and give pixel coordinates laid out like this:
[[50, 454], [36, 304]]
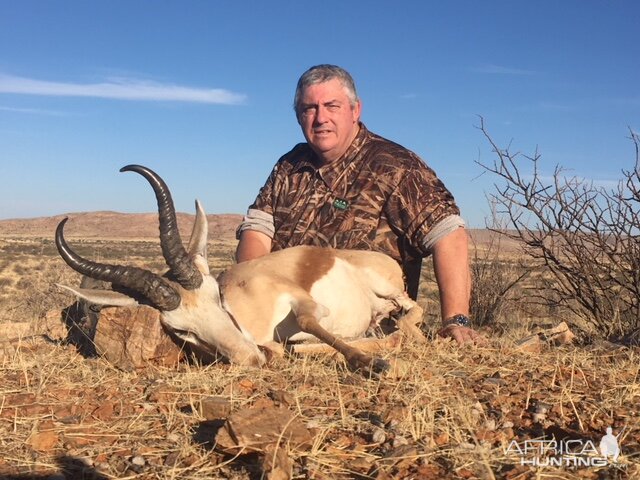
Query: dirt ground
[[448, 412]]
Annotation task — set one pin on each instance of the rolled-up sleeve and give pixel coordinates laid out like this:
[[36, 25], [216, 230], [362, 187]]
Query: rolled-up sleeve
[[259, 216], [258, 221], [441, 229], [423, 209]]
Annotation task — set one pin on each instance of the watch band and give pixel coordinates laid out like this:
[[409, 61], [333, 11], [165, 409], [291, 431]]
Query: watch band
[[459, 320]]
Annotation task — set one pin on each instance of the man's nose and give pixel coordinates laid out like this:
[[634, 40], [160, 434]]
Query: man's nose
[[321, 114]]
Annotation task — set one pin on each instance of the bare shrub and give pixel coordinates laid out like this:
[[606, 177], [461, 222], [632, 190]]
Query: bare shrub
[[494, 277], [584, 236]]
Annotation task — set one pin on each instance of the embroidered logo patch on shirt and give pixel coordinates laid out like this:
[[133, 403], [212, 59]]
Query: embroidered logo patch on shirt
[[340, 204]]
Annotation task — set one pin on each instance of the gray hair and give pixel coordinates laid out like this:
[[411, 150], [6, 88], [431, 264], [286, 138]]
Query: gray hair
[[324, 73]]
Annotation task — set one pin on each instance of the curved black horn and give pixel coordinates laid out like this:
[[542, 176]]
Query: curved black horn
[[162, 295], [180, 265]]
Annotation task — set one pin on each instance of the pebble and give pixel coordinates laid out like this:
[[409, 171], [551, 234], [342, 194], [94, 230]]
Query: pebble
[[542, 407], [539, 417], [490, 424], [400, 441], [379, 436]]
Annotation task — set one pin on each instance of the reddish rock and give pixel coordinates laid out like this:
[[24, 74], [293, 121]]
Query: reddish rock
[[104, 411], [213, 408], [45, 438], [257, 429], [132, 337]]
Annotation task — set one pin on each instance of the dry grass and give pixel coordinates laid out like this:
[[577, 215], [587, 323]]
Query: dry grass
[[451, 415]]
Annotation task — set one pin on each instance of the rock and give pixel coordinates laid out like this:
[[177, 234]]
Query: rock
[[402, 456], [45, 438], [490, 424], [540, 413], [52, 325], [214, 408], [441, 439], [256, 429], [539, 417], [160, 392], [379, 436], [105, 411], [131, 337], [542, 407], [558, 335], [530, 344], [277, 464], [172, 459], [282, 397], [268, 430], [494, 380], [399, 441], [395, 414], [80, 436]]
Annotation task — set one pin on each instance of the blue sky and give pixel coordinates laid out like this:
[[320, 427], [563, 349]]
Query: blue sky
[[201, 92]]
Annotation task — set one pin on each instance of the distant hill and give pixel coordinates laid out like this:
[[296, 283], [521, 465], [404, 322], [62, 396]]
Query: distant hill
[[116, 225]]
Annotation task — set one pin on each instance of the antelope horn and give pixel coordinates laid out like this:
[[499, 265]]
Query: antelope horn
[[181, 267], [161, 295]]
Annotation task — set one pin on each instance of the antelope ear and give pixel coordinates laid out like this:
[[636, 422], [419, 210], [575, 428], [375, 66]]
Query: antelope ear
[[102, 297], [198, 240]]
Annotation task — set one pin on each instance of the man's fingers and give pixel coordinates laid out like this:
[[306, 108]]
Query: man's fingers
[[463, 335]]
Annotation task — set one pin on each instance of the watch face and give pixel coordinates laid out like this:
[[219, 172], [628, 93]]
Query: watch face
[[459, 320]]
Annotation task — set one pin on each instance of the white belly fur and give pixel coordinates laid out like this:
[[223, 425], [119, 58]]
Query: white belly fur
[[347, 299]]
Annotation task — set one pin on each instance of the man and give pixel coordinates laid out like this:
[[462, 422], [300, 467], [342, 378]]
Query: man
[[349, 188]]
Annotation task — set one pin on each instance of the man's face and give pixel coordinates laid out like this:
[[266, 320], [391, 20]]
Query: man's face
[[328, 121]]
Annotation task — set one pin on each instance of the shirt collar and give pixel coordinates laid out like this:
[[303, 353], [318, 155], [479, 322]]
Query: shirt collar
[[331, 171]]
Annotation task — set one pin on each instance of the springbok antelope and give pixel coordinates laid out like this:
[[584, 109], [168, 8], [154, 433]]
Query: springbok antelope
[[298, 294]]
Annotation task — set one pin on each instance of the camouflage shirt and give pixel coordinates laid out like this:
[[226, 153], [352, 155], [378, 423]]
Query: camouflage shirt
[[377, 196]]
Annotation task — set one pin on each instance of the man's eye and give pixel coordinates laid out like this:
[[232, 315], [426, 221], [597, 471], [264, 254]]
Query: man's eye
[[308, 111], [333, 107]]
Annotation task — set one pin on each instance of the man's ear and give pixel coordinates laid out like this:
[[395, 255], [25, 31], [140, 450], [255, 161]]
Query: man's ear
[[357, 111], [102, 297]]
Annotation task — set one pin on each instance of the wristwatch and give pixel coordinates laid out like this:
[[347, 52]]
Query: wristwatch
[[458, 320]]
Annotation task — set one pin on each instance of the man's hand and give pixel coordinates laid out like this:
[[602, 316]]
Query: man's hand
[[462, 335]]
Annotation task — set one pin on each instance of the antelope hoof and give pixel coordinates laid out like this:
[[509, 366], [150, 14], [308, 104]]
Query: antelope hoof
[[378, 365], [371, 365]]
